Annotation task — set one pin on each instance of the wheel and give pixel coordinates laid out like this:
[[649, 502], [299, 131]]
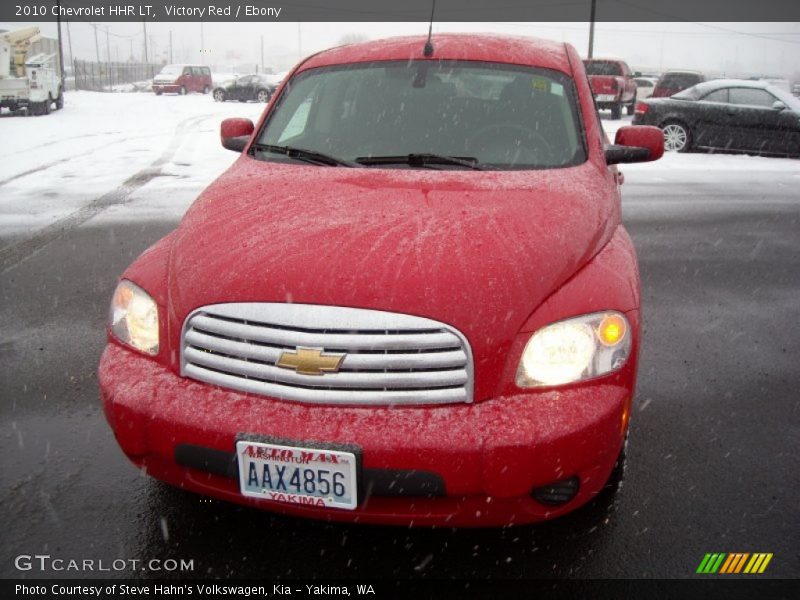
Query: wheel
[[262, 96], [219, 95], [677, 137], [205, 89], [631, 107], [45, 106], [616, 111], [183, 90], [60, 100], [539, 147], [158, 93]]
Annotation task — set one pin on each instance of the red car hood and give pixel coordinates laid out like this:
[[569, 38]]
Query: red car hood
[[476, 250]]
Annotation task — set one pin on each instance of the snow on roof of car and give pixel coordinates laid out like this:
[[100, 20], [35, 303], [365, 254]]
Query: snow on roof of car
[[478, 47], [748, 83]]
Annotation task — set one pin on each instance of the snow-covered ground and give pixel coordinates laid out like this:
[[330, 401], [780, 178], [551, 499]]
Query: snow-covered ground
[[53, 166], [85, 163]]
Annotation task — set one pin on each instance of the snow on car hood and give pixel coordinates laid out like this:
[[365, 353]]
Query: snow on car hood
[[477, 250]]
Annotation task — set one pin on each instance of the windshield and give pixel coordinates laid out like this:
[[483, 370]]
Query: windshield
[[500, 116], [171, 70], [602, 67]]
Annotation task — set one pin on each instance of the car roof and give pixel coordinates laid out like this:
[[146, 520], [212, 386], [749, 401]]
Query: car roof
[[722, 83], [681, 72], [474, 47]]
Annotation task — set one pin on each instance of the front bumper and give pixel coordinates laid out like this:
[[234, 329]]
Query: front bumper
[[456, 465], [167, 88]]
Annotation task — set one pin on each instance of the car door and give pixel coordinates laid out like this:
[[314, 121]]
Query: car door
[[243, 87], [714, 118], [252, 84], [186, 78], [759, 127], [197, 79]]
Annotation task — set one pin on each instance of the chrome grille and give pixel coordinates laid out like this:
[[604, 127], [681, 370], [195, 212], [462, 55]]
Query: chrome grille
[[390, 358]]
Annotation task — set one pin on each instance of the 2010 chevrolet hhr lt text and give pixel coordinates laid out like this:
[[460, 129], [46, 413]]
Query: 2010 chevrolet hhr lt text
[[410, 300]]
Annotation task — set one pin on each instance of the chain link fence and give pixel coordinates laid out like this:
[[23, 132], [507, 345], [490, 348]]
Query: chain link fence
[[111, 76]]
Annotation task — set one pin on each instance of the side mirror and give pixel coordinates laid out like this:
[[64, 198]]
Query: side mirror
[[778, 105], [636, 143], [235, 133]]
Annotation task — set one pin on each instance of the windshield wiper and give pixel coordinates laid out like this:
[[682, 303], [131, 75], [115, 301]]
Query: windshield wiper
[[421, 160], [311, 156]]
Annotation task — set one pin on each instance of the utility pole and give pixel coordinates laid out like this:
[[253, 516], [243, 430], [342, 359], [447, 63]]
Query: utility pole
[[202, 46], [262, 52], [591, 28], [60, 49], [108, 58], [144, 25], [69, 40], [96, 45], [170, 46]]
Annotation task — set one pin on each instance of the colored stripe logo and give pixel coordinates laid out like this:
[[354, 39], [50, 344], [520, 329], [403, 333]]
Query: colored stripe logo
[[733, 563]]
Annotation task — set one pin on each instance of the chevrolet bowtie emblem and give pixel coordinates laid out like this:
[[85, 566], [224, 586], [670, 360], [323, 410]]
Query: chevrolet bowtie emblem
[[310, 361]]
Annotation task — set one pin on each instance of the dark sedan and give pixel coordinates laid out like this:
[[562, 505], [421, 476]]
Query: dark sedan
[[249, 87], [726, 114]]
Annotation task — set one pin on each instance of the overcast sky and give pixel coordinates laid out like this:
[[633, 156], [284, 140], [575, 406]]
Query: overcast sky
[[717, 48]]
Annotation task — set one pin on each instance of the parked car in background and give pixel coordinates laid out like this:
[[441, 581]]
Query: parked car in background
[[672, 82], [182, 79], [796, 89], [644, 87], [727, 114], [248, 87], [311, 339], [612, 85]]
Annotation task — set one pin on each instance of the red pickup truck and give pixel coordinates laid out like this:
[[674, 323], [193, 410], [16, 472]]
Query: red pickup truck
[[612, 85]]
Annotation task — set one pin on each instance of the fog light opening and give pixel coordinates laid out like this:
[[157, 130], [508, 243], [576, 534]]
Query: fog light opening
[[557, 493]]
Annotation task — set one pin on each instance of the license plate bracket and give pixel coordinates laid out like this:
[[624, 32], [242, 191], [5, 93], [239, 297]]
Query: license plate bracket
[[309, 473]]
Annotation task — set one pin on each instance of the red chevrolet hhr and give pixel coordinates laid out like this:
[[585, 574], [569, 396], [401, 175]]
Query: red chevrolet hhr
[[410, 300]]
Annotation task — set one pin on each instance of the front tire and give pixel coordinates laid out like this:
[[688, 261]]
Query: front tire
[[219, 95], [182, 91], [677, 136], [616, 111], [60, 100], [262, 96]]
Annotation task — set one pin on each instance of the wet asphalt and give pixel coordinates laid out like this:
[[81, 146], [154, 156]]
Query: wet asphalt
[[713, 459]]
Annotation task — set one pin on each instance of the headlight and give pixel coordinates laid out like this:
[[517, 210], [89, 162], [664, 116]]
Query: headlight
[[578, 348], [134, 317]]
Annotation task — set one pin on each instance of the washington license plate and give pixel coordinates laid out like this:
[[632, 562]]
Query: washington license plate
[[297, 475]]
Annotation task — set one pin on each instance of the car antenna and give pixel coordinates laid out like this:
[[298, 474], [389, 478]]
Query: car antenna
[[428, 49]]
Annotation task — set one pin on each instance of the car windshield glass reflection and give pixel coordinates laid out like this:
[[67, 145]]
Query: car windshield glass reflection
[[500, 116]]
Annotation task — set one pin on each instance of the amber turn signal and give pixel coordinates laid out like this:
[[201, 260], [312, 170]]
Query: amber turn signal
[[612, 329]]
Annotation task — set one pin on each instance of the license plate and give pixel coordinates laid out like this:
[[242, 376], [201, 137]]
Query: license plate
[[297, 475], [605, 97]]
